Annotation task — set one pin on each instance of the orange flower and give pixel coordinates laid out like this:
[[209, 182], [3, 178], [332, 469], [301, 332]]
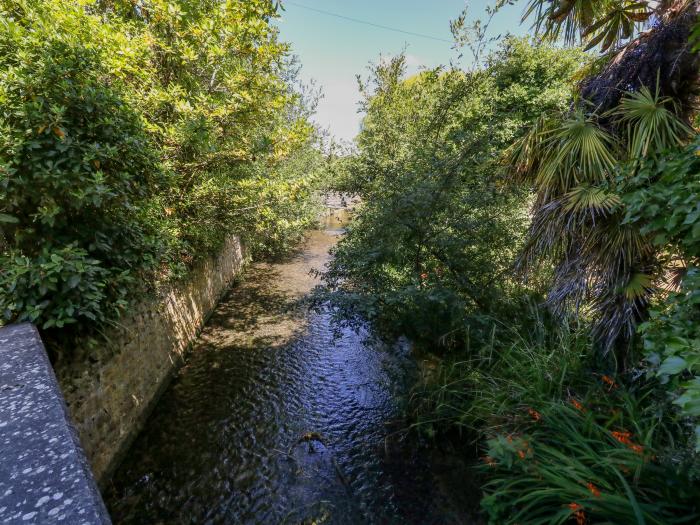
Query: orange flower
[[623, 437], [423, 276], [626, 439], [534, 414], [639, 449], [525, 451], [594, 490], [489, 461], [577, 405], [59, 132], [609, 381], [578, 513]]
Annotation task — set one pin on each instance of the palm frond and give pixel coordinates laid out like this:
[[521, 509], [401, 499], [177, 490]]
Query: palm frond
[[525, 155], [617, 24], [599, 22], [578, 151], [651, 122], [591, 199], [639, 286]]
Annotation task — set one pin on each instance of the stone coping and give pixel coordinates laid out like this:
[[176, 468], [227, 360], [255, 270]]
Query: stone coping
[[44, 475]]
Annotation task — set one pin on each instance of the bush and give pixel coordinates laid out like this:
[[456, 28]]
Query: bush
[[430, 250], [561, 442], [75, 164], [274, 206], [62, 286], [478, 393], [661, 199], [137, 136], [671, 340]]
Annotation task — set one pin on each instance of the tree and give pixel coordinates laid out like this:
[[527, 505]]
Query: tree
[[430, 252], [634, 104]]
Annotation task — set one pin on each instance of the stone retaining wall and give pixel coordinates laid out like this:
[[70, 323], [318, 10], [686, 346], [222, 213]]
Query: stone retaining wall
[[110, 389]]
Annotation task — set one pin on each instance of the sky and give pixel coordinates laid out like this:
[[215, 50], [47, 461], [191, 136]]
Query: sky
[[334, 50]]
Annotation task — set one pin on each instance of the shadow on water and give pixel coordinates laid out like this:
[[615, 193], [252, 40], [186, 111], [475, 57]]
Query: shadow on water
[[275, 420]]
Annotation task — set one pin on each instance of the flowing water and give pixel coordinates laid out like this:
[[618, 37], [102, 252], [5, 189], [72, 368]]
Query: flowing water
[[277, 419]]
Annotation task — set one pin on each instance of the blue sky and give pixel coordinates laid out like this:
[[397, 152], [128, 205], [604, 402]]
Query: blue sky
[[333, 50]]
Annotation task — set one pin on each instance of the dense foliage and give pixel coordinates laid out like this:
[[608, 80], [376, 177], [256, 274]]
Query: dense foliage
[[135, 137], [663, 200], [573, 161], [635, 103], [429, 254], [534, 222], [567, 294], [593, 459]]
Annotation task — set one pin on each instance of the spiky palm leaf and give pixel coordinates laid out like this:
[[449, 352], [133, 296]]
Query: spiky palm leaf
[[523, 156], [616, 25], [577, 218], [601, 264], [598, 22], [557, 157], [578, 151], [592, 200], [651, 123], [562, 18]]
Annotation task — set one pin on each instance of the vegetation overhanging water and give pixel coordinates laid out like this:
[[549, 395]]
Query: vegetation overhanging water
[[277, 418], [533, 218]]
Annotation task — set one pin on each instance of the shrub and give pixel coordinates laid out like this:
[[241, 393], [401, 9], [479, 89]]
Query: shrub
[[75, 164], [138, 136], [662, 199], [283, 205], [430, 250], [671, 339], [478, 394], [61, 286]]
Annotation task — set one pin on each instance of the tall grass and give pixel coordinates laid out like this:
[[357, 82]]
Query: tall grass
[[516, 369], [600, 459], [561, 441]]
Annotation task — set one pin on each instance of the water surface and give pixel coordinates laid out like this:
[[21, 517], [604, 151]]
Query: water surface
[[275, 420]]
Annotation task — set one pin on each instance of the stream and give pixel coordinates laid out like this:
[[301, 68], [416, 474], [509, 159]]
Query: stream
[[278, 418]]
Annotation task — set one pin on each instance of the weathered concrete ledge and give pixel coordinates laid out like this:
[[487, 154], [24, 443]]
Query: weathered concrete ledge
[[111, 387], [44, 475]]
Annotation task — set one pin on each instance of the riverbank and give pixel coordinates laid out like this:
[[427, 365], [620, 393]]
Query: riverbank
[[112, 384], [278, 418]]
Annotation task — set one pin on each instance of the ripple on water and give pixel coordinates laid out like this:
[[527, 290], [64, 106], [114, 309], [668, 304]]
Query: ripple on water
[[223, 444]]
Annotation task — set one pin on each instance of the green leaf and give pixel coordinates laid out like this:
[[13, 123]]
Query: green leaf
[[10, 219], [672, 365], [73, 281], [696, 230]]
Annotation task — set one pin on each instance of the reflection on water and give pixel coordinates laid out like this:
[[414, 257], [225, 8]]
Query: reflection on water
[[274, 420]]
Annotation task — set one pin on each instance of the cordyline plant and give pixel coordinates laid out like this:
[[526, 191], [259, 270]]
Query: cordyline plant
[[636, 105]]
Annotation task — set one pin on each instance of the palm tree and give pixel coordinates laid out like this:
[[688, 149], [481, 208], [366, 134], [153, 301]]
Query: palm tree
[[645, 43], [601, 265], [635, 104]]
